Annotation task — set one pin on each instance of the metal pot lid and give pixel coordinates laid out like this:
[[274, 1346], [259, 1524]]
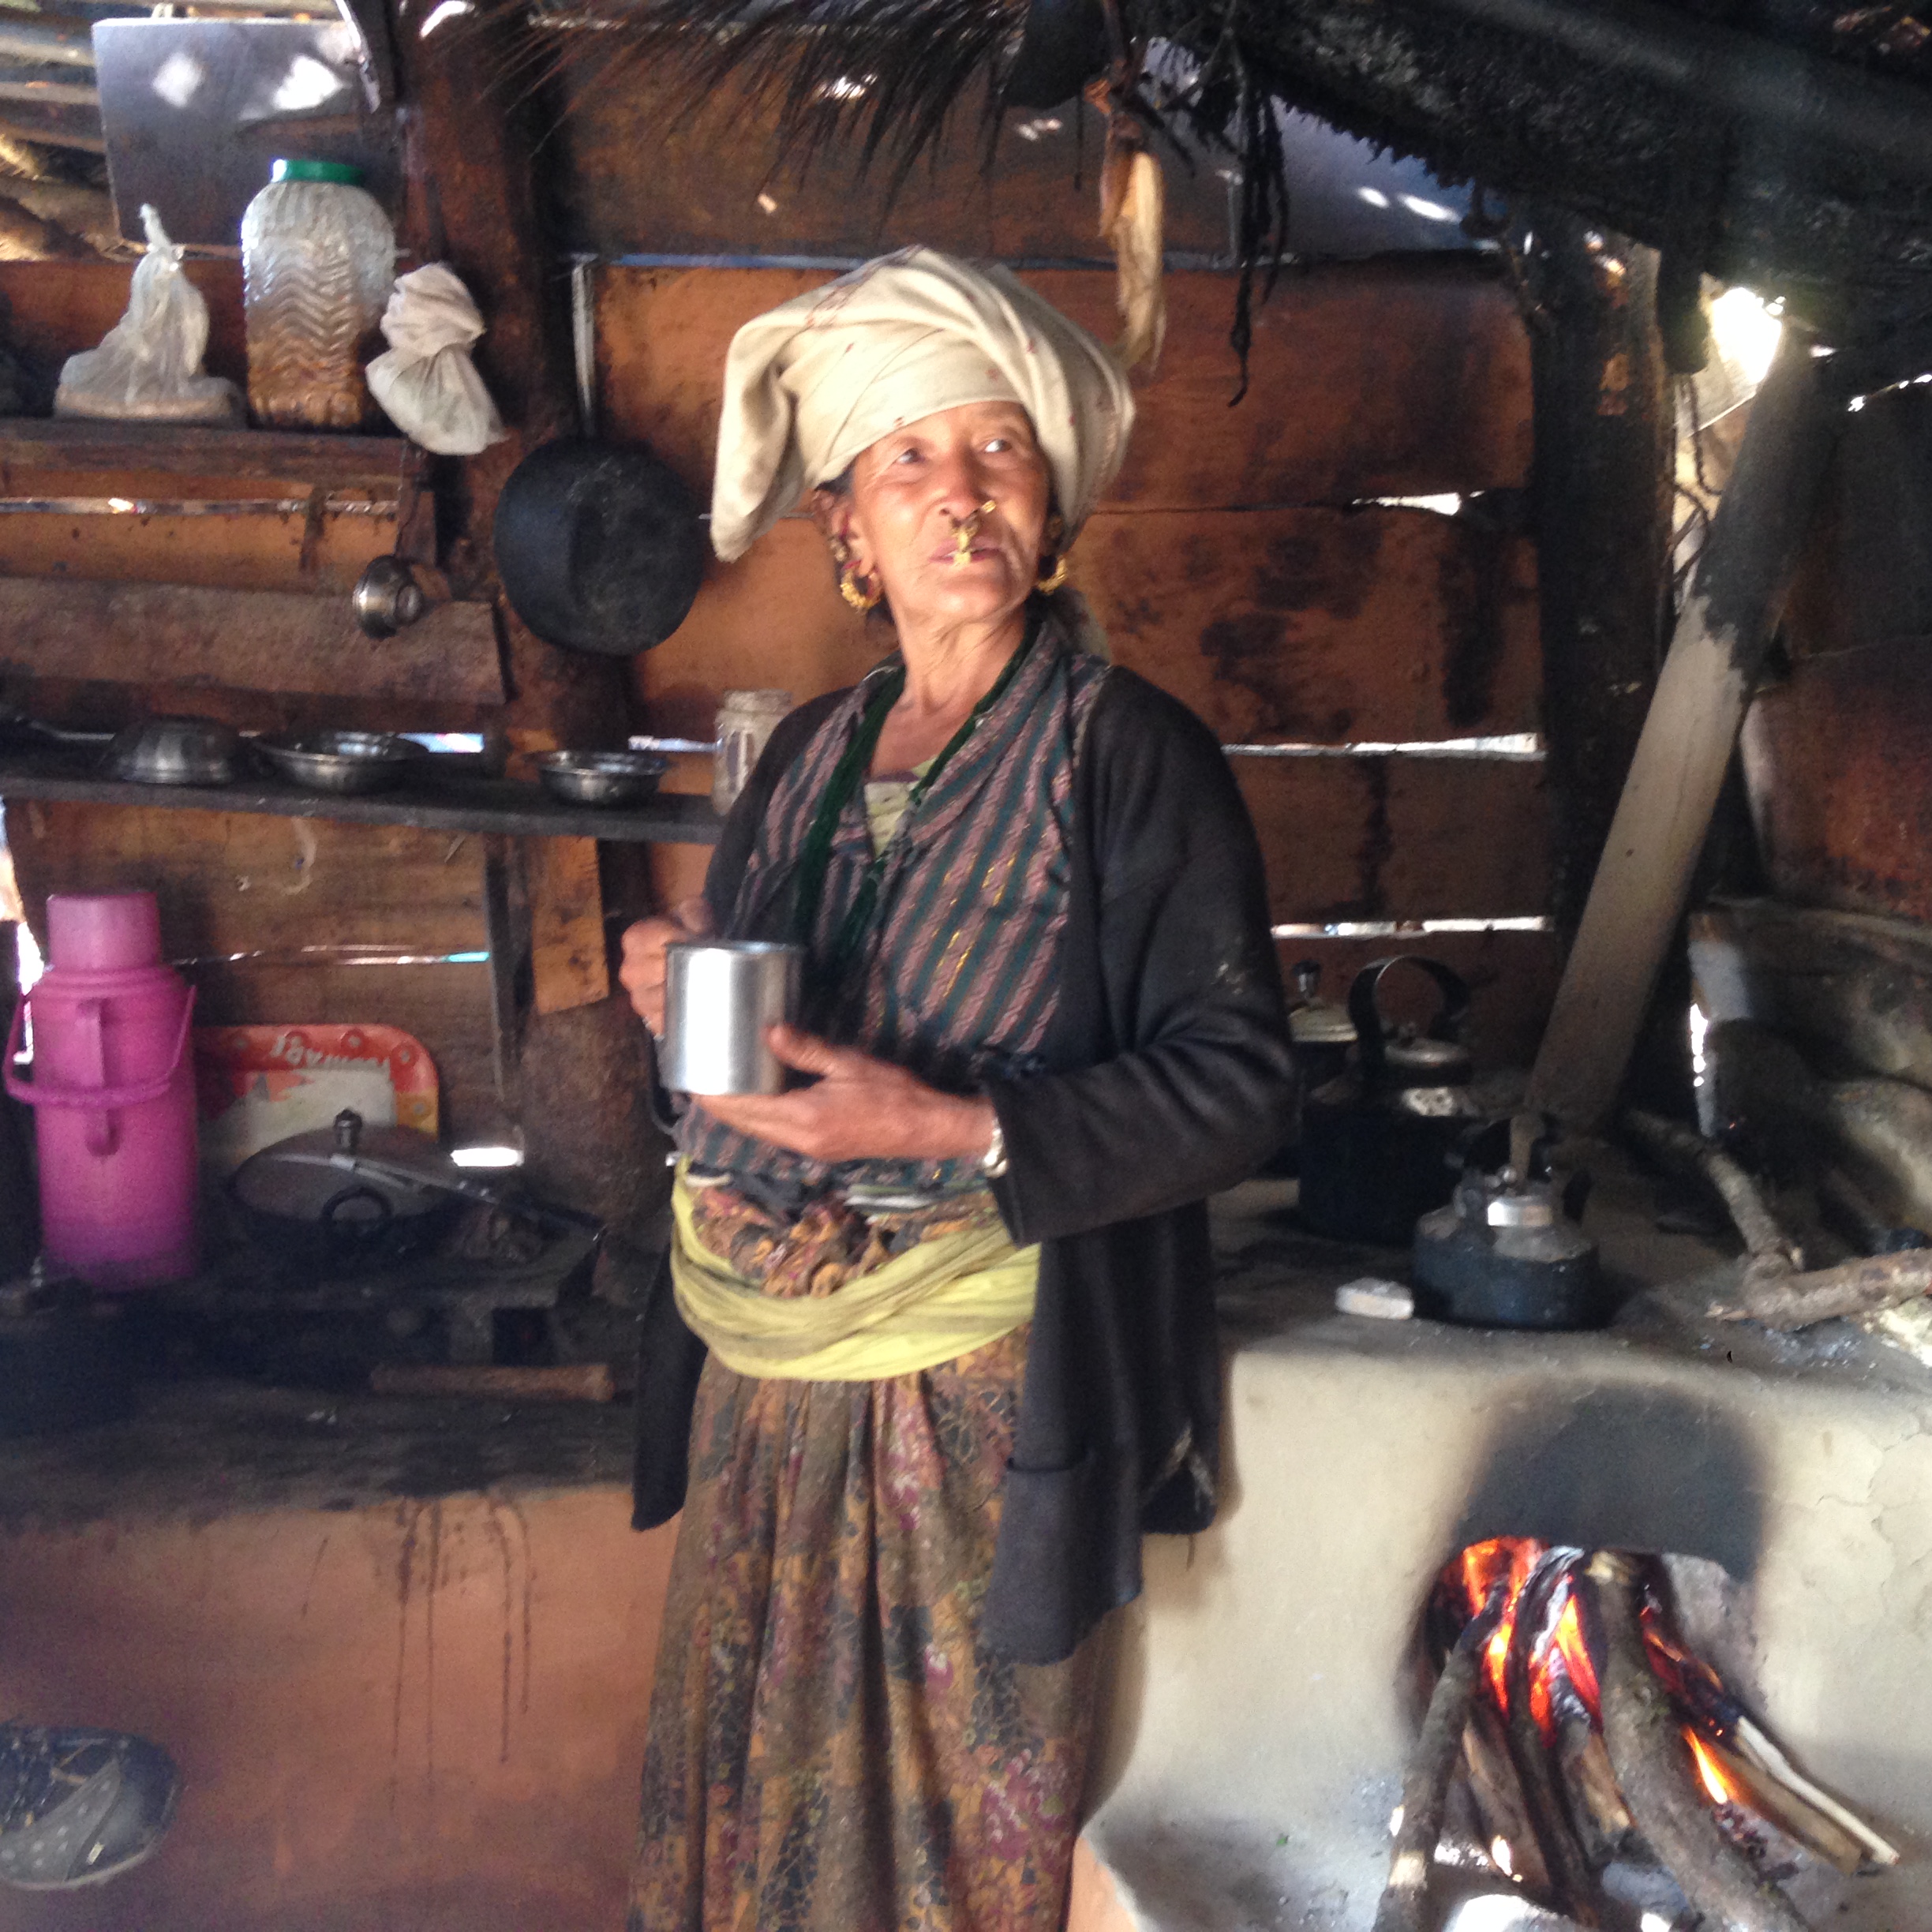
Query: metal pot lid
[[1532, 1205], [1413, 1061], [349, 1173], [1321, 1023]]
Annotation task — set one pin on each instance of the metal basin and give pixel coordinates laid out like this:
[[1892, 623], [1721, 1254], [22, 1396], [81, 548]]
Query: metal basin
[[341, 761], [600, 778], [174, 750]]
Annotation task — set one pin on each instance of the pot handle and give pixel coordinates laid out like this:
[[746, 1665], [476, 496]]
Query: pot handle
[[1365, 1010], [103, 1099], [360, 1191]]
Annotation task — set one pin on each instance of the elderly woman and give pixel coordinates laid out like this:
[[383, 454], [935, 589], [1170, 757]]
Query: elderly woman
[[938, 1341]]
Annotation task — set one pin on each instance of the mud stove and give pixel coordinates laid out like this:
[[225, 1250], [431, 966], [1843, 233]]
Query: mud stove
[[1271, 1684]]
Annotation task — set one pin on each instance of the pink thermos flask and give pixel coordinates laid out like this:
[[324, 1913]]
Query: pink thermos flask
[[113, 1094]]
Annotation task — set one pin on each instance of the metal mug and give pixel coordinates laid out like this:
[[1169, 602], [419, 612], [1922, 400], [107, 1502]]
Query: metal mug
[[720, 996]]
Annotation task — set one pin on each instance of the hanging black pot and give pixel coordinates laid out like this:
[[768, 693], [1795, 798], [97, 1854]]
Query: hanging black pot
[[598, 546]]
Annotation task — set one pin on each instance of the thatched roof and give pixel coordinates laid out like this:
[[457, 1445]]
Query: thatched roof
[[1783, 144]]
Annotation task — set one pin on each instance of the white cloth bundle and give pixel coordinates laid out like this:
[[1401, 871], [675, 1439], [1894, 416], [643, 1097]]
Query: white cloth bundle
[[425, 381]]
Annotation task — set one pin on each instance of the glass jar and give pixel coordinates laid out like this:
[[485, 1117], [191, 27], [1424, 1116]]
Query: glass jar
[[746, 721], [318, 256]]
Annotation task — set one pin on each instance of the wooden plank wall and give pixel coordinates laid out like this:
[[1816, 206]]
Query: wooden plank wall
[[268, 913], [1243, 564], [297, 920], [1838, 753]]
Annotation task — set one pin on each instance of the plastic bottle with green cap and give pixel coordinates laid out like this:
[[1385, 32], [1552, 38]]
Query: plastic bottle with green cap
[[318, 256]]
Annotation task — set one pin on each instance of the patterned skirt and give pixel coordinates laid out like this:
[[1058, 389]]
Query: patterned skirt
[[831, 1748]]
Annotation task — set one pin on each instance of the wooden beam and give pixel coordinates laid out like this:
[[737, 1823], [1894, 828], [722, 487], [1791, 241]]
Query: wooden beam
[[244, 640], [473, 170], [381, 464]]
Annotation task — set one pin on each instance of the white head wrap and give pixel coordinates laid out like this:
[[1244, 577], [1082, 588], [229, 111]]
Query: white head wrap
[[812, 382]]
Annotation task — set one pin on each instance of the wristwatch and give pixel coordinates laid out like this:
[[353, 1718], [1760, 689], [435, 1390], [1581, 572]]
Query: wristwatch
[[993, 1161]]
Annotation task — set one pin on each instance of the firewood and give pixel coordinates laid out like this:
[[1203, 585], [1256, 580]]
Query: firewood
[[1782, 1300], [1431, 1764], [1604, 1824], [1572, 1884], [1499, 1800], [1690, 1153], [1783, 1811], [1773, 1291], [1771, 1769], [1654, 1767]]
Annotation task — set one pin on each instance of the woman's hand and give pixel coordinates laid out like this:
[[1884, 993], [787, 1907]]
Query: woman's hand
[[642, 972], [857, 1108]]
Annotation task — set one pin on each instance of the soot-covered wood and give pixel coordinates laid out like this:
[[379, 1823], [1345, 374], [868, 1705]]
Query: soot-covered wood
[[1605, 437]]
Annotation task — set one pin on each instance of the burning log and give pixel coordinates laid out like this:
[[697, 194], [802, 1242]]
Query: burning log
[[1655, 1770], [1572, 1884], [1425, 1783], [1748, 1763]]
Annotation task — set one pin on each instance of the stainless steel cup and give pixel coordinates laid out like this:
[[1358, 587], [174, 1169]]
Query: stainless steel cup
[[720, 996]]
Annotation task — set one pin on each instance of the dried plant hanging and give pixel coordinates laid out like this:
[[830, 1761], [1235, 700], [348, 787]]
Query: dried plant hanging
[[887, 81]]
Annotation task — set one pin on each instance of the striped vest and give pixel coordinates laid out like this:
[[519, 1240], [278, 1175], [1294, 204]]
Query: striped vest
[[955, 977]]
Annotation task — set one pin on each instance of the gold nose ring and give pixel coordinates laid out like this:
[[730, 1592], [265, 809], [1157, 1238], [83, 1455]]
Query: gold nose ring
[[966, 528]]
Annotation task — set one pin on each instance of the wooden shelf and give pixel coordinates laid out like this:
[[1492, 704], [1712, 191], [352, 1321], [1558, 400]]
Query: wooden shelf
[[444, 800], [381, 464]]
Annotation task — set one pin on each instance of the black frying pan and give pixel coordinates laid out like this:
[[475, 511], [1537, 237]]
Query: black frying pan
[[598, 546]]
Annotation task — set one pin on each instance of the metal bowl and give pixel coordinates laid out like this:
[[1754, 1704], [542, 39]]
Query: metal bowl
[[174, 750], [601, 777], [341, 761]]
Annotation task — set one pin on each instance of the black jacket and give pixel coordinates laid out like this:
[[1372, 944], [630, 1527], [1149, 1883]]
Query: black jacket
[[1168, 1077]]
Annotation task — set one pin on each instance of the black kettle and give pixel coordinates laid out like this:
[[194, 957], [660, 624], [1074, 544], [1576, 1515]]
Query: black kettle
[[1378, 1141]]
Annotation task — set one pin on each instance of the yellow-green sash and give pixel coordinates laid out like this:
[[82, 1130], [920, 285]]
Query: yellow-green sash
[[943, 1297]]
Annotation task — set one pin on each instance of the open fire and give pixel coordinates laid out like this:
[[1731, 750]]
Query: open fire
[[1590, 1737]]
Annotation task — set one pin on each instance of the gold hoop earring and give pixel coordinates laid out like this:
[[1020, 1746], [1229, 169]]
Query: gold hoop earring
[[858, 591], [1047, 585], [862, 594]]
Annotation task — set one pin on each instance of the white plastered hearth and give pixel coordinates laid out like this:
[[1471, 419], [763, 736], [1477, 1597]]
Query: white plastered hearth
[[1265, 1687]]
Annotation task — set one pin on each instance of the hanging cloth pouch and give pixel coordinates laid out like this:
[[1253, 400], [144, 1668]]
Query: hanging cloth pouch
[[425, 382]]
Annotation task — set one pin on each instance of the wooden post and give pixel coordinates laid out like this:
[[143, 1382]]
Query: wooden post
[[474, 150], [1600, 497], [1735, 595]]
